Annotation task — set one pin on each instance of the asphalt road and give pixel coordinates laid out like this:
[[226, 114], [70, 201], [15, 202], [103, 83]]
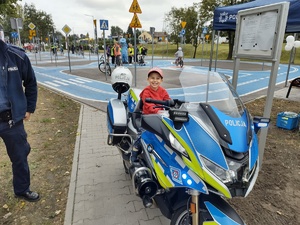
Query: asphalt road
[[80, 78]]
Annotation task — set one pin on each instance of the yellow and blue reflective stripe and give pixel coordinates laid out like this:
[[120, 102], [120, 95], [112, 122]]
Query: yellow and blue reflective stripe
[[194, 164]]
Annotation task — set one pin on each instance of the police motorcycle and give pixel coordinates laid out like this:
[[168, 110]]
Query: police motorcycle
[[199, 151]]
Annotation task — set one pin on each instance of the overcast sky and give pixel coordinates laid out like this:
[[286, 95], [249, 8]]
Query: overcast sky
[[72, 13]]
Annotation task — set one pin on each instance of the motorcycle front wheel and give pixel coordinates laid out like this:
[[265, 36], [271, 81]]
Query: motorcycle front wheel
[[181, 217]]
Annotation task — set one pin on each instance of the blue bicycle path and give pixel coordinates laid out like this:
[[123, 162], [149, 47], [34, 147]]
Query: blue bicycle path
[[87, 89]]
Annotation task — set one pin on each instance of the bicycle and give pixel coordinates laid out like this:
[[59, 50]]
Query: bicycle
[[179, 62], [104, 66]]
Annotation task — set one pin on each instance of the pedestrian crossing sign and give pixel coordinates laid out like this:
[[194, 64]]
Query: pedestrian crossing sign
[[103, 24]]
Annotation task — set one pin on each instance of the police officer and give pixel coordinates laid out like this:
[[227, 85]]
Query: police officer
[[18, 96]]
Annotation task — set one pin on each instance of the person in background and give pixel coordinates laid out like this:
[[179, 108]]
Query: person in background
[[178, 55], [130, 53], [117, 53], [18, 97], [112, 54], [108, 52], [73, 49]]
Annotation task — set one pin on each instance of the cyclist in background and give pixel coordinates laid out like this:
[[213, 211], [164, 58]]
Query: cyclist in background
[[178, 55]]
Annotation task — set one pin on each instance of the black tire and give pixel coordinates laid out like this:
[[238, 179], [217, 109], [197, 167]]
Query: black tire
[[101, 67], [181, 217], [181, 63]]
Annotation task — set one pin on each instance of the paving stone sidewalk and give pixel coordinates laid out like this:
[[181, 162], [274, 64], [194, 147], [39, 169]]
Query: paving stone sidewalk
[[100, 192]]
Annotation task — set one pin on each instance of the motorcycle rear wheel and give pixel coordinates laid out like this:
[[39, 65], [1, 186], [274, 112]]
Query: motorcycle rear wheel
[[181, 217]]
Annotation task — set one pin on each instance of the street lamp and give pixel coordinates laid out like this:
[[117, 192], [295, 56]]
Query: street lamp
[[94, 29], [152, 30]]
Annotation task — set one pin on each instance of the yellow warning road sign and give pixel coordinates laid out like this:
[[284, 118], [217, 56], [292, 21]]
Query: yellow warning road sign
[[135, 22], [183, 23], [32, 33], [135, 7]]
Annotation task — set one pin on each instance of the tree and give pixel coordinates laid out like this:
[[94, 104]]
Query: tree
[[193, 27], [190, 15], [207, 12], [116, 31], [43, 22], [174, 19], [138, 33], [7, 7], [130, 32]]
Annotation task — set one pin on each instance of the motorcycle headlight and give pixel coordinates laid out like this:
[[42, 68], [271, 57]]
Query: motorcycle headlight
[[226, 176], [175, 144]]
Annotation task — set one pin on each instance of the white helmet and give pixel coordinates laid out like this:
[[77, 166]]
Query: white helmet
[[179, 49], [121, 79]]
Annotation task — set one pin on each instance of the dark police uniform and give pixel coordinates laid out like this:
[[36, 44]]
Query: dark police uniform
[[18, 95]]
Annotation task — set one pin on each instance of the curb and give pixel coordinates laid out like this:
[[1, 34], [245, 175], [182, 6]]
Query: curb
[[72, 187]]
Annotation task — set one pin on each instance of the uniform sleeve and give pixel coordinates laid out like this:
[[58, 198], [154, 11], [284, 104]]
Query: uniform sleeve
[[30, 85]]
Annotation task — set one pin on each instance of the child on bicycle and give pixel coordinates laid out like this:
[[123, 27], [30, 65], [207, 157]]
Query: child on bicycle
[[178, 55]]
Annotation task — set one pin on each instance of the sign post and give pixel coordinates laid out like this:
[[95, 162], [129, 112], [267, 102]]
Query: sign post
[[250, 44], [104, 26], [67, 30], [135, 23], [182, 32], [32, 34], [17, 23], [152, 30], [96, 40]]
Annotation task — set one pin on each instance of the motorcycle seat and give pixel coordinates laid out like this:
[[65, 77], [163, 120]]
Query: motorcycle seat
[[137, 115]]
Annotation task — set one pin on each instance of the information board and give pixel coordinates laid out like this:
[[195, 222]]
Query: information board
[[258, 30]]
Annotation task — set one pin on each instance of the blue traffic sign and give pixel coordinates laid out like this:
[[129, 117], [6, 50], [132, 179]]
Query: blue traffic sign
[[14, 35], [182, 32], [204, 30], [103, 24]]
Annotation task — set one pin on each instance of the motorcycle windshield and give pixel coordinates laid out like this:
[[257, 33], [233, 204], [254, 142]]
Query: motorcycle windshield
[[200, 86]]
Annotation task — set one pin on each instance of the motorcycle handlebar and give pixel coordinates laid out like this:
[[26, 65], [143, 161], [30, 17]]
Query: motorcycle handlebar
[[169, 102], [166, 102]]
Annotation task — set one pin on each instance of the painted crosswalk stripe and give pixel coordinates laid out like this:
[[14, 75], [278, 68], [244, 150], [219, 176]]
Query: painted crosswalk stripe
[[52, 84], [70, 82], [77, 81], [85, 80], [60, 82]]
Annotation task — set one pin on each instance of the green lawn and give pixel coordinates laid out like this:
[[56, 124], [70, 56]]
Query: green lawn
[[168, 50]]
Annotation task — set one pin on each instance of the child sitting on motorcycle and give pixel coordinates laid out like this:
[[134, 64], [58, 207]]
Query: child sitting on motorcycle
[[178, 55], [154, 91]]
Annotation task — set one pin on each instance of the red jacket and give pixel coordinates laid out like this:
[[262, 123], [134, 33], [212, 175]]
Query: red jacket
[[159, 94]]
